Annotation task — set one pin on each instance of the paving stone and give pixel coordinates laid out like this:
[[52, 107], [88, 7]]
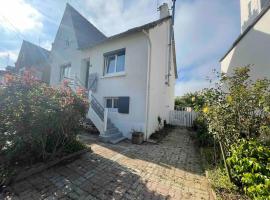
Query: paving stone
[[169, 170]]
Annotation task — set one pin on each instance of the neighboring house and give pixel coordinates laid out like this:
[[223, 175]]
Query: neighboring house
[[34, 58], [253, 45], [2, 75], [130, 76]]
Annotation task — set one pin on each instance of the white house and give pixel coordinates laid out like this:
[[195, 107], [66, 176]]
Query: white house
[[253, 45], [130, 76]]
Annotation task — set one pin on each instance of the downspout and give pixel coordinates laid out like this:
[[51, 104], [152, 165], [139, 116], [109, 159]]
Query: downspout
[[170, 54], [148, 82]]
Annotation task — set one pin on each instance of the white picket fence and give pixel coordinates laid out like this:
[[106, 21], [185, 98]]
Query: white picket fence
[[182, 118]]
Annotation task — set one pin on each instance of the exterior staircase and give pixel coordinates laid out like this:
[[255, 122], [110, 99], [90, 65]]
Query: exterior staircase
[[112, 134], [98, 115]]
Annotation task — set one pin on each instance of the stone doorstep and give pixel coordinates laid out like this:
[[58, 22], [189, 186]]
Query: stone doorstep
[[39, 167]]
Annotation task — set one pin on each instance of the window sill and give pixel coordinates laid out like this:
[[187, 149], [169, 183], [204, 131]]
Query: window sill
[[114, 75]]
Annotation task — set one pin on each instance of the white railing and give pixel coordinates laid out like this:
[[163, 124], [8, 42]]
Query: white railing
[[182, 118]]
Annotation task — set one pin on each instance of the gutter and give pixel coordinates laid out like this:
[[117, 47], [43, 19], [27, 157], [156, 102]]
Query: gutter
[[148, 81]]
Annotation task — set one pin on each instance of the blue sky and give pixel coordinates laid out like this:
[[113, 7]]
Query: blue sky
[[204, 29]]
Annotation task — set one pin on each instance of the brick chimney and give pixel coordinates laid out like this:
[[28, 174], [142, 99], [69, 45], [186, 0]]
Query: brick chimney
[[164, 10]]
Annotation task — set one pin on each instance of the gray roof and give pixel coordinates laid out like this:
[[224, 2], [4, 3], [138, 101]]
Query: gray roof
[[87, 34], [31, 55], [242, 35]]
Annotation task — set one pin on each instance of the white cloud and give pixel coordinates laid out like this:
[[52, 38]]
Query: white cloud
[[9, 55], [46, 45], [115, 16], [194, 85], [18, 15]]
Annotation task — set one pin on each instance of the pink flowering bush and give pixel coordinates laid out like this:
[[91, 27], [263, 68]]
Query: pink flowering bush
[[37, 122]]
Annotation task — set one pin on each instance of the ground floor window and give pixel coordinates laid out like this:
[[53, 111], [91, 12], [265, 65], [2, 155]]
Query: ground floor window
[[111, 103], [65, 71]]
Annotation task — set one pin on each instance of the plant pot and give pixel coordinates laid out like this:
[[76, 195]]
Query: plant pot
[[137, 137]]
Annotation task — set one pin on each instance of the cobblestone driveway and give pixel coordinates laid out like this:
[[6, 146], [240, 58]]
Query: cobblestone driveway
[[170, 170]]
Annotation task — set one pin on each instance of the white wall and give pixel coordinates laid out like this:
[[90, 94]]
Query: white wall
[[62, 53], [161, 95], [132, 83], [252, 49]]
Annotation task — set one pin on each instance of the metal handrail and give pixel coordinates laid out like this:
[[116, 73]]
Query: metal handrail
[[97, 107]]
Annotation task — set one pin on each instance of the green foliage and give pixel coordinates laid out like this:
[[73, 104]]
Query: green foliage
[[237, 108], [37, 121], [202, 134], [193, 100], [73, 146], [220, 180], [250, 167]]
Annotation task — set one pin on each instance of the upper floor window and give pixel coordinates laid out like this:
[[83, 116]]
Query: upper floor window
[[65, 71], [114, 62]]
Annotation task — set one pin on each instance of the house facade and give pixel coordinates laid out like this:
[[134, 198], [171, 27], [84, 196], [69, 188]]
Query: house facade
[[130, 76], [2, 76], [251, 47], [35, 58]]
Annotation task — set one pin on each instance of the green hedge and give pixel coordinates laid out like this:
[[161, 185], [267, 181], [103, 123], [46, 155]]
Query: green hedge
[[250, 168], [37, 122]]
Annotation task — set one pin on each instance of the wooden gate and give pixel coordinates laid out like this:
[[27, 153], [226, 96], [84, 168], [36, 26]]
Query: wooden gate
[[182, 118]]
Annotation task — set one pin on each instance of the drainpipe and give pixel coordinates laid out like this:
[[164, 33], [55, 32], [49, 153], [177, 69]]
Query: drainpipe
[[170, 54], [148, 82]]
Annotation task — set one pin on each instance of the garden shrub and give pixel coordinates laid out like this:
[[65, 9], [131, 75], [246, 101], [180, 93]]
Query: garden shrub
[[238, 107], [250, 168], [37, 122], [202, 134]]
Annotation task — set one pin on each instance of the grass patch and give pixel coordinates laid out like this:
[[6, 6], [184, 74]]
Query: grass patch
[[222, 185], [217, 175]]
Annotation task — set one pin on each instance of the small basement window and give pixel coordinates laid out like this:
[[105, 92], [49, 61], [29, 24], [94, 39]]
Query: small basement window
[[112, 103], [114, 62], [117, 104]]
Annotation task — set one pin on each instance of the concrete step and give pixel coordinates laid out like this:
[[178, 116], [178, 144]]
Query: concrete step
[[110, 137], [117, 140], [112, 130], [109, 126]]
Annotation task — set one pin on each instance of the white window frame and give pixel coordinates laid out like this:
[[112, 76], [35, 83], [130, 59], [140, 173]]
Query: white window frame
[[115, 54], [112, 109], [62, 71]]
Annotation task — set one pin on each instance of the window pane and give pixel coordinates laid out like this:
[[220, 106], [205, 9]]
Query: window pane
[[108, 103], [120, 66], [110, 64], [67, 71], [115, 103]]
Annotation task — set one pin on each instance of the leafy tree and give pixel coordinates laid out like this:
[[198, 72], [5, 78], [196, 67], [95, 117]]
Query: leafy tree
[[194, 100], [238, 108]]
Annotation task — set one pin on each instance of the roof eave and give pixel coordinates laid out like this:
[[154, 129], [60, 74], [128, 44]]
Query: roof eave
[[241, 36]]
